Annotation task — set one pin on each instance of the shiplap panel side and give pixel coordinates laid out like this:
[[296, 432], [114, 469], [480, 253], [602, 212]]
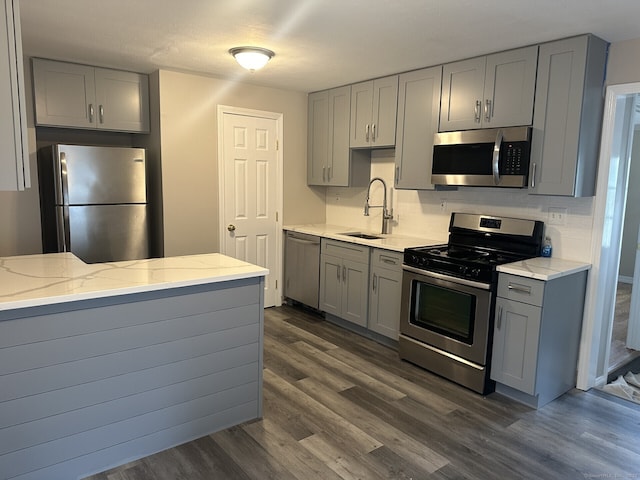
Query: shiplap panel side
[[37, 327], [148, 374], [56, 402]]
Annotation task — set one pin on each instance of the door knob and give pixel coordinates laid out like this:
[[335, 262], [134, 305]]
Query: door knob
[[231, 227]]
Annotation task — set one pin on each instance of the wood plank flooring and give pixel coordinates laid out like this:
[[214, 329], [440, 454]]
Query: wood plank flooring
[[338, 406]]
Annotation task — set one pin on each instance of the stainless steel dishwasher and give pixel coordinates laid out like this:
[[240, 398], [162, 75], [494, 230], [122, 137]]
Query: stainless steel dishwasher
[[302, 268]]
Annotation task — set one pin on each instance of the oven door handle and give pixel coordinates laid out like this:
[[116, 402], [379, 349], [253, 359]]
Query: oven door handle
[[448, 278]]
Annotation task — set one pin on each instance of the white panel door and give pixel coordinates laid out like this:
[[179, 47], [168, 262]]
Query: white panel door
[[250, 193]]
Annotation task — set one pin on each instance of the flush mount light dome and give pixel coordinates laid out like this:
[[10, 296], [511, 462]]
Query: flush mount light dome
[[252, 58]]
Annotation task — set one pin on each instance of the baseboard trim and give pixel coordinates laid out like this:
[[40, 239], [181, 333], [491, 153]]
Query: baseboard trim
[[625, 279]]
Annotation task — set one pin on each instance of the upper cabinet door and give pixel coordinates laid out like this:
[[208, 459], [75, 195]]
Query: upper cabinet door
[[568, 117], [14, 161], [64, 94], [418, 113], [462, 94], [317, 137], [509, 88], [338, 146], [81, 96], [385, 109], [361, 112], [122, 100], [374, 106], [489, 92]]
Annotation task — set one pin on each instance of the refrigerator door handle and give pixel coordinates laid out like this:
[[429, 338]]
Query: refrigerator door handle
[[62, 185], [63, 229]]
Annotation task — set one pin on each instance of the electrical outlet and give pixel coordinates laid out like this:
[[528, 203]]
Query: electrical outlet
[[557, 216]]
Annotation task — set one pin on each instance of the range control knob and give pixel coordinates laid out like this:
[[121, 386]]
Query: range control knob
[[463, 269], [475, 273]]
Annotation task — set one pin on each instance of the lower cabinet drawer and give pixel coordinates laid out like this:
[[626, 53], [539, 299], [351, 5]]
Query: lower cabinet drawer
[[521, 289]]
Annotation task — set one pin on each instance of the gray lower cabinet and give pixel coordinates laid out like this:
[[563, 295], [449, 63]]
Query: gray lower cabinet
[[536, 336], [14, 162], [568, 117], [385, 291], [418, 113], [344, 280], [81, 96]]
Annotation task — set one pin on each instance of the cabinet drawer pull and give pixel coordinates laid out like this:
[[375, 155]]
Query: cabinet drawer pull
[[520, 288], [389, 261]]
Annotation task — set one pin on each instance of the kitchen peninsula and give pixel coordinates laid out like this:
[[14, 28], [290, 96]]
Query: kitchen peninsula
[[101, 364]]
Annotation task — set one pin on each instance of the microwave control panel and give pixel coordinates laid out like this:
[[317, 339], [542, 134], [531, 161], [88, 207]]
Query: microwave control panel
[[514, 159]]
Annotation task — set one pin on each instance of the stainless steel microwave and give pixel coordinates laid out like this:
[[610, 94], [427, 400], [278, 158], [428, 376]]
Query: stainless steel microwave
[[496, 157]]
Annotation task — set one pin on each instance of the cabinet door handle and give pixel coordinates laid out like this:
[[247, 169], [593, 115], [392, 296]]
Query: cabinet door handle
[[499, 323], [397, 173], [373, 132], [338, 271], [487, 110], [344, 273], [101, 113], [329, 173], [324, 174], [91, 112], [520, 288], [366, 137], [533, 176], [375, 281], [476, 111]]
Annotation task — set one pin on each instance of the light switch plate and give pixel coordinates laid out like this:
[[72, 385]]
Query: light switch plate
[[557, 216]]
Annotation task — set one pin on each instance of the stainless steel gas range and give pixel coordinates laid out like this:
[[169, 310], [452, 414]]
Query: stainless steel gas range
[[448, 295]]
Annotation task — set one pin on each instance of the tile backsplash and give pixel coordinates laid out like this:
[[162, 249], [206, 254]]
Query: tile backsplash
[[426, 213]]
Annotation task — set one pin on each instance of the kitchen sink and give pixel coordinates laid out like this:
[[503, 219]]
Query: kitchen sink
[[366, 236]]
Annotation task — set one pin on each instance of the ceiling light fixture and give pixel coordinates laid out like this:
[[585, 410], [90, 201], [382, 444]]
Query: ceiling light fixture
[[252, 58]]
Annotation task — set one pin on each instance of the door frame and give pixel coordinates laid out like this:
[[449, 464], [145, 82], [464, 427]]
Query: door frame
[[607, 215], [278, 117]]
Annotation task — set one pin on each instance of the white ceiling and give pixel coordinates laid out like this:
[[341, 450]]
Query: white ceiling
[[318, 43]]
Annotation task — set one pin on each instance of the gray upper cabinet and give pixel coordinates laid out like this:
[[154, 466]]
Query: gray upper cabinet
[[329, 160], [81, 96], [14, 163], [418, 113], [492, 91], [374, 105], [568, 116]]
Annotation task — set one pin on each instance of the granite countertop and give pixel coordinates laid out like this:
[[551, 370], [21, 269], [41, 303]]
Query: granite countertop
[[387, 241], [36, 280], [542, 268]]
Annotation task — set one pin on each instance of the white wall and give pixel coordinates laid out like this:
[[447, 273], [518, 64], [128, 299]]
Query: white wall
[[419, 213], [189, 147]]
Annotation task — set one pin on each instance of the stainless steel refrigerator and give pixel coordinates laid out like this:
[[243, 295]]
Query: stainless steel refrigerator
[[93, 202]]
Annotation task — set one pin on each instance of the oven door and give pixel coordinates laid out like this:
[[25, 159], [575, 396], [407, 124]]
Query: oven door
[[448, 313]]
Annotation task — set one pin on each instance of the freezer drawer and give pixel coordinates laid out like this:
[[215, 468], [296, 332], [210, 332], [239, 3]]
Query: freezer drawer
[[106, 233]]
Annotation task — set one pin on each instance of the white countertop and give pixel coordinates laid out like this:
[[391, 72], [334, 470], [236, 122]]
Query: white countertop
[[388, 241], [35, 280], [542, 268]]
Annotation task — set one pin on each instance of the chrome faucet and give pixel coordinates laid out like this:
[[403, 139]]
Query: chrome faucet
[[386, 214]]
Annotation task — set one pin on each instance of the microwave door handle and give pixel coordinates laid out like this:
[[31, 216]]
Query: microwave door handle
[[496, 157]]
